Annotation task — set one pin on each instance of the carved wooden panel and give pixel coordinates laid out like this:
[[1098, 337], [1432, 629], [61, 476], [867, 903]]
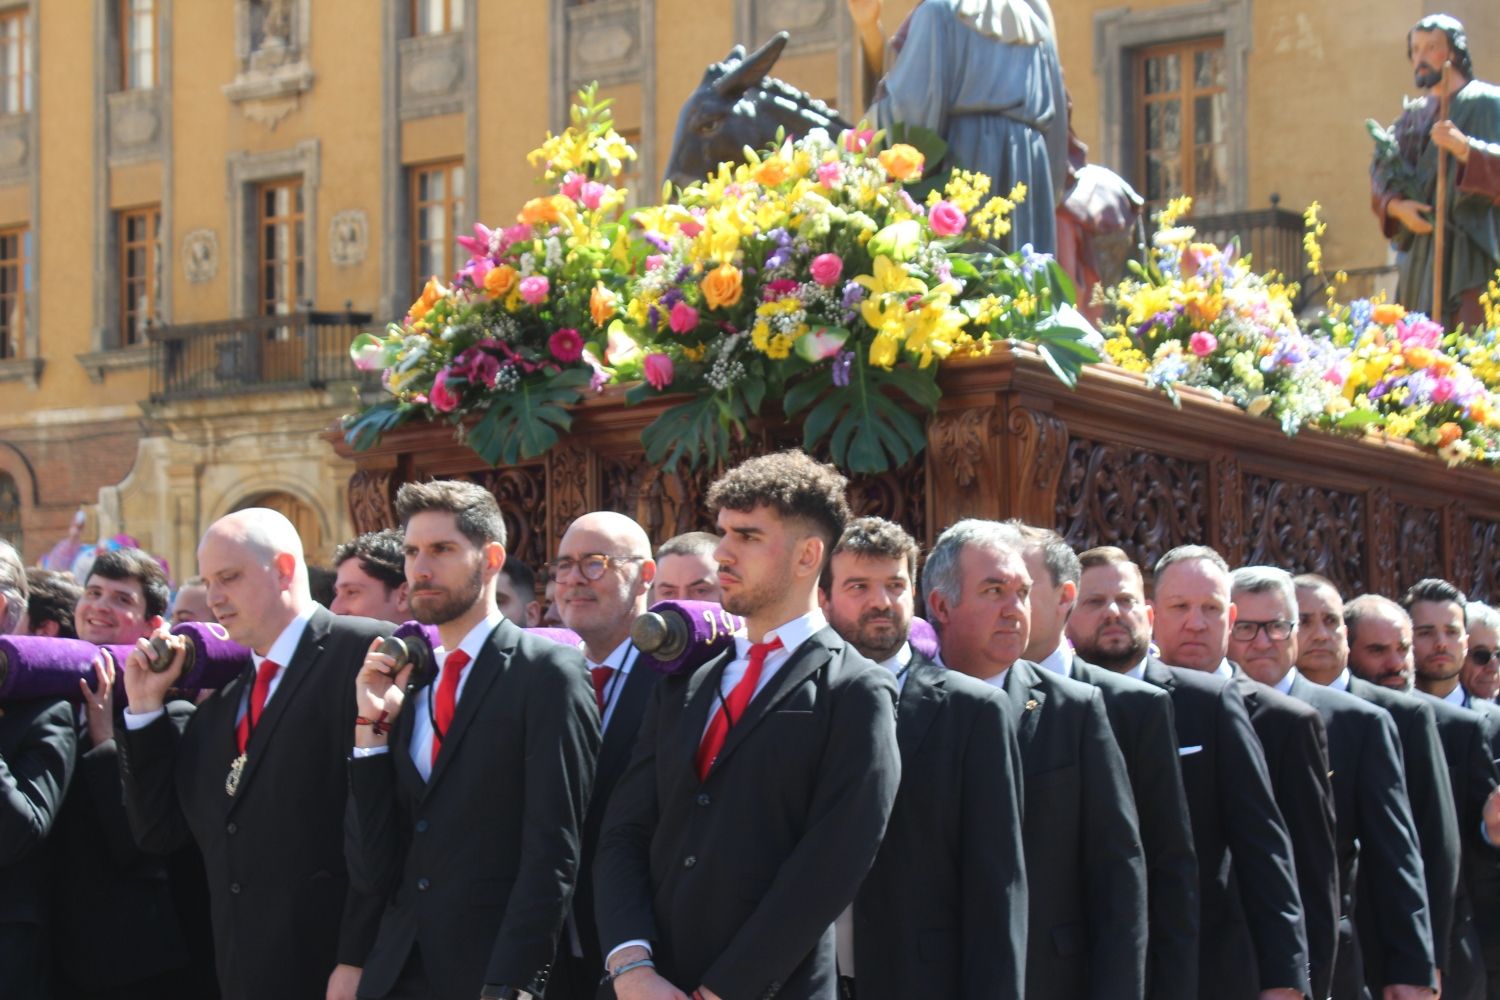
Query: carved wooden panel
[[663, 503], [899, 496], [372, 494], [1229, 496], [1484, 559], [1418, 546], [1116, 495], [1304, 529], [521, 492], [1039, 446], [1385, 531], [567, 491], [1458, 554]]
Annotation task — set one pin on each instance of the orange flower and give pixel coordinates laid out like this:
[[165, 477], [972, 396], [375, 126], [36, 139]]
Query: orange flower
[[1387, 313], [601, 304], [429, 297], [500, 280], [902, 162], [1449, 433], [771, 172], [538, 210], [1417, 357], [1479, 410], [722, 286]]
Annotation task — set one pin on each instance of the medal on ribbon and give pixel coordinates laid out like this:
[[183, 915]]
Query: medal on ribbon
[[232, 781]]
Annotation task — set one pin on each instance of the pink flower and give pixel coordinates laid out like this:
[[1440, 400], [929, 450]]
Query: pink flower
[[946, 219], [778, 289], [482, 243], [477, 367], [691, 228], [856, 140], [566, 345], [827, 269], [534, 289], [1442, 389], [684, 318], [572, 185], [593, 193], [443, 399], [1337, 375], [1419, 332], [511, 235], [1203, 343], [910, 204], [654, 261], [659, 372], [831, 174]]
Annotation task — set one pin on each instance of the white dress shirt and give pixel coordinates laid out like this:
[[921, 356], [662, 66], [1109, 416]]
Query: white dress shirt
[[1285, 684], [1060, 660], [621, 659], [1457, 697], [1139, 670], [280, 653], [1341, 682], [899, 663], [1224, 669]]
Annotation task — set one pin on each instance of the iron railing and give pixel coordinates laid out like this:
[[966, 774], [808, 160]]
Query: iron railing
[[1271, 237], [302, 350]]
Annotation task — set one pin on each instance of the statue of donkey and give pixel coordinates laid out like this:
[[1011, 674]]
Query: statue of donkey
[[739, 105]]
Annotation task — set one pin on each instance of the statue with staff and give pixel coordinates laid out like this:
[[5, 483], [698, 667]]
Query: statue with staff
[[1434, 182]]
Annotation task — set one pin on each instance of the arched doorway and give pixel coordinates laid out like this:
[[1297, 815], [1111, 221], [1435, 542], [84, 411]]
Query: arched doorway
[[302, 515]]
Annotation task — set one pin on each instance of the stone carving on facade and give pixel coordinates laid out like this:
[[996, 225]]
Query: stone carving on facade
[[135, 121], [432, 71], [15, 148], [605, 42], [271, 42], [348, 238], [200, 255]]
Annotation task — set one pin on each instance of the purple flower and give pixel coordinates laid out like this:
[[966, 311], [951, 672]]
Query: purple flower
[[853, 295], [658, 241], [842, 366], [1031, 261]]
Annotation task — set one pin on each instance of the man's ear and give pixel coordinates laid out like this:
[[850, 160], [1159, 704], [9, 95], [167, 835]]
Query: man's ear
[[154, 622], [810, 556], [1068, 594], [47, 628], [402, 603], [937, 606], [494, 556], [533, 614], [1234, 614], [285, 565]]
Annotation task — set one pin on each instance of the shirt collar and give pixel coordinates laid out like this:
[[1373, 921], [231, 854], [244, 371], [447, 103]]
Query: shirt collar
[[1285, 684], [1060, 660], [1341, 682], [1139, 670], [1456, 696], [899, 660], [998, 681], [285, 646], [618, 658], [792, 634], [473, 643], [1225, 670]]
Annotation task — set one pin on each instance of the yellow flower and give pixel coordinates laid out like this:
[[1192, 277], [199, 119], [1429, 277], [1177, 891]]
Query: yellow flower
[[431, 293], [902, 162], [695, 353], [1387, 313], [889, 278], [722, 286], [779, 347], [884, 349], [1176, 209], [771, 171]]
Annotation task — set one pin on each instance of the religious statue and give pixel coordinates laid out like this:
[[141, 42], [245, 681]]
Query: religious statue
[[1404, 177], [986, 77]]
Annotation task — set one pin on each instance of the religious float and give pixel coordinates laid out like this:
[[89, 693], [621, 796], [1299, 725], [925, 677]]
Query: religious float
[[825, 295]]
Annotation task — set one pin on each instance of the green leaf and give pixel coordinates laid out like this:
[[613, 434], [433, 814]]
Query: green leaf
[[525, 421], [868, 431], [364, 429], [755, 393], [697, 431], [802, 394], [1356, 419]]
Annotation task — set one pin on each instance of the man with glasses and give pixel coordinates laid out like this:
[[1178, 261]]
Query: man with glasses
[[1480, 675], [1373, 826], [603, 572]]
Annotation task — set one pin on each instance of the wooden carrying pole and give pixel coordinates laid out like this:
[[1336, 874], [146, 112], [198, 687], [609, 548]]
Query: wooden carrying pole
[[1440, 204]]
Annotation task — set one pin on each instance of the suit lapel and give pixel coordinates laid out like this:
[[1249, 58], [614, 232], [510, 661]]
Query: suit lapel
[[1158, 674], [1026, 696], [293, 676], [698, 701], [922, 694], [809, 658], [488, 665], [619, 738]]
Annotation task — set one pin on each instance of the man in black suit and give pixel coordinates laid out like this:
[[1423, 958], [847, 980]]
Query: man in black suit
[[256, 774], [762, 781], [1375, 832], [1251, 937], [465, 810], [603, 572], [1087, 923], [1440, 644], [38, 747], [1322, 658], [1140, 716], [168, 953], [1380, 651], [1480, 675], [952, 854]]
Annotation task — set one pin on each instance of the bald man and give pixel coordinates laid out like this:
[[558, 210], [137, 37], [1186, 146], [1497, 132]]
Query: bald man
[[256, 774], [603, 573]]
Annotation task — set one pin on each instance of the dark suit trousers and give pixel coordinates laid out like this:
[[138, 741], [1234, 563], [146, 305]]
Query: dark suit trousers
[[412, 983], [24, 960]]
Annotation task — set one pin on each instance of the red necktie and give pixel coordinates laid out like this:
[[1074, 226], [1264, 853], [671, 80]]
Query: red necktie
[[258, 692], [718, 729], [601, 677], [447, 696]]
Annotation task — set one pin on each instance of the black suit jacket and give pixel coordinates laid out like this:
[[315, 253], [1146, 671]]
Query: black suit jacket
[[1376, 837], [1491, 712], [1430, 793], [284, 913], [1296, 747], [736, 880], [38, 744], [943, 911], [1466, 738], [1486, 880], [578, 978], [1087, 911], [477, 864], [1252, 936], [1141, 717]]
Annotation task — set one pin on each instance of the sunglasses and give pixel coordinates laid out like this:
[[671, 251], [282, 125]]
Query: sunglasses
[[1481, 657]]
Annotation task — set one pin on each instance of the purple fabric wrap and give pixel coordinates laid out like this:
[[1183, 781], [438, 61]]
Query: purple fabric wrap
[[711, 630], [39, 666], [561, 636], [216, 659], [923, 638], [427, 633]]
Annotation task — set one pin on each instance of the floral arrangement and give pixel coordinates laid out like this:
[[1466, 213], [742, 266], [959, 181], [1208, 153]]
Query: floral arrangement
[[809, 276], [1197, 315]]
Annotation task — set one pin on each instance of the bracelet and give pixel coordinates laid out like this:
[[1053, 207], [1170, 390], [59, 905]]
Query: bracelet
[[377, 726], [612, 975]]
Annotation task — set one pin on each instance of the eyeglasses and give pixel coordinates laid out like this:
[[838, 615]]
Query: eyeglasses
[[1277, 631], [1481, 657], [592, 565]]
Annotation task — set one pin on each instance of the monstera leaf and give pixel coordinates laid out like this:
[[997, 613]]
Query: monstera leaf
[[525, 421], [868, 429]]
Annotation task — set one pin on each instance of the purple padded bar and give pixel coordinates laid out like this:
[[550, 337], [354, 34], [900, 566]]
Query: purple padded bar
[[923, 638], [561, 636], [39, 666], [710, 630], [216, 660]]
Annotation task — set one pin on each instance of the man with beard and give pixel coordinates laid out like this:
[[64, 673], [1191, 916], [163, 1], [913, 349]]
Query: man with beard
[[762, 781], [603, 570], [515, 594], [1140, 716], [370, 580], [1480, 675], [1404, 178], [256, 774], [1440, 643], [1251, 936], [1087, 917], [952, 853], [1373, 826], [465, 809], [1322, 658]]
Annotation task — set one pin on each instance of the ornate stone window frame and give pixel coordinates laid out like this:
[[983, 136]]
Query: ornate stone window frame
[[269, 84], [613, 42], [245, 171], [1120, 31], [828, 28]]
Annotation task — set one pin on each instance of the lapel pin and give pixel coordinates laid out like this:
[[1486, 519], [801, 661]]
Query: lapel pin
[[1031, 704]]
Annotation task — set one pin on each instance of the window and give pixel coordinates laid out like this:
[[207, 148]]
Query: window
[[140, 274], [436, 17], [10, 510], [137, 44], [13, 281], [1182, 110], [437, 207], [281, 226], [15, 62]]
